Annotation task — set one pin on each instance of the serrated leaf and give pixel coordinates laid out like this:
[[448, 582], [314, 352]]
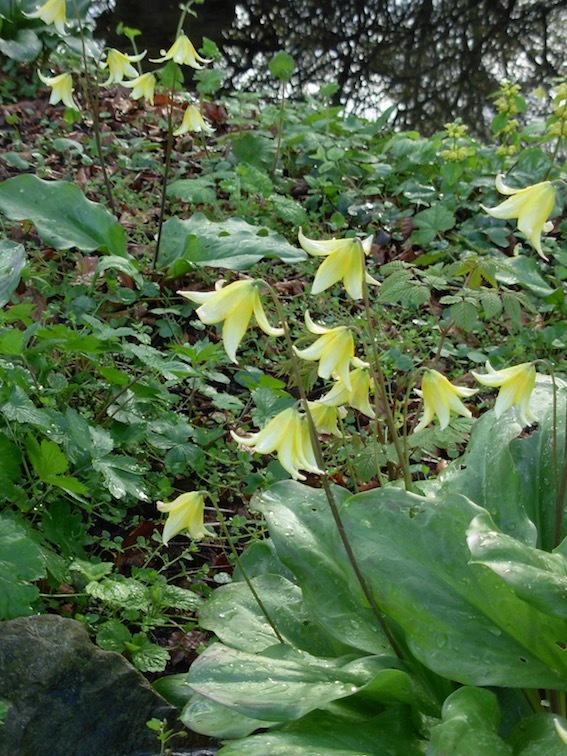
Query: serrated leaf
[[63, 216], [233, 244], [125, 594], [512, 307], [465, 314], [179, 598], [20, 564], [122, 476], [21, 409], [149, 657], [113, 636], [491, 304], [12, 262], [430, 223]]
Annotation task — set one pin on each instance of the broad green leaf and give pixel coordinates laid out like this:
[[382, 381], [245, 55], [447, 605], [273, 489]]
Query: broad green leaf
[[469, 728], [63, 216], [282, 66], [535, 576], [204, 715], [537, 736], [12, 262], [304, 534], [21, 563], [280, 683], [21, 409], [49, 462], [148, 656], [233, 614], [123, 264], [460, 619], [323, 733], [25, 47], [122, 476], [525, 271], [488, 459], [113, 636], [233, 244]]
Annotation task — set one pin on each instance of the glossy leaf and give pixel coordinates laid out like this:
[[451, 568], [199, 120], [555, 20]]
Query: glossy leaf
[[63, 216], [12, 262], [460, 619]]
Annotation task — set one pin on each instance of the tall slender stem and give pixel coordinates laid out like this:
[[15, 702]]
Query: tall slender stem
[[168, 149], [238, 561], [325, 481]]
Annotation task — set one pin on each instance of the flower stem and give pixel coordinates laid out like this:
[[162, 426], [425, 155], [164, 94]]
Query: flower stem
[[326, 483], [253, 591], [168, 149]]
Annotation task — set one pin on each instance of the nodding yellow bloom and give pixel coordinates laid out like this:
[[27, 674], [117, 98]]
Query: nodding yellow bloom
[[287, 434], [52, 12], [192, 121], [357, 397], [61, 89], [441, 398], [334, 349], [532, 207], [142, 86], [186, 512], [516, 385], [234, 304], [120, 66], [183, 52], [344, 262], [326, 417]]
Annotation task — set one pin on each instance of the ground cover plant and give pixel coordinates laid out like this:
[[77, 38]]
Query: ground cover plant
[[283, 328]]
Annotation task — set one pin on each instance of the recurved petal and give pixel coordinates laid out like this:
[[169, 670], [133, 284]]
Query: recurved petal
[[234, 328], [261, 318], [332, 270], [314, 327], [321, 248]]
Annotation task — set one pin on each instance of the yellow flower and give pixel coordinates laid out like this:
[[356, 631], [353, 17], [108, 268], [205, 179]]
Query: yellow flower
[[516, 386], [120, 65], [441, 398], [233, 304], [61, 89], [357, 397], [344, 262], [142, 86], [326, 416], [334, 349], [192, 121], [52, 12], [184, 513], [532, 207], [287, 434], [182, 52]]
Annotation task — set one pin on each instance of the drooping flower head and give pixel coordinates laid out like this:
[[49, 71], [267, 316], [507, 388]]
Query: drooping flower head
[[52, 12], [326, 417], [358, 397], [183, 53], [344, 262], [234, 305], [186, 512], [531, 206], [61, 89], [120, 66], [334, 349], [516, 385], [192, 121], [441, 398], [287, 434], [142, 86]]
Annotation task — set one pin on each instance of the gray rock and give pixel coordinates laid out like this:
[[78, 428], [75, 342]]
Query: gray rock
[[66, 697]]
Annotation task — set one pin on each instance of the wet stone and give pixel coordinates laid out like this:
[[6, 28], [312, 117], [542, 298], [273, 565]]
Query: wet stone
[[66, 697]]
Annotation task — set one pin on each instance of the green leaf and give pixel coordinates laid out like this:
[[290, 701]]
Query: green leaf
[[460, 619], [232, 613], [303, 535], [12, 262], [323, 733], [282, 66], [113, 636], [203, 715], [48, 462], [126, 593], [465, 314], [21, 409], [537, 736], [122, 476], [281, 682], [199, 190], [233, 244], [469, 728], [535, 576], [124, 265], [148, 657], [63, 216], [21, 563], [25, 47], [430, 223]]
